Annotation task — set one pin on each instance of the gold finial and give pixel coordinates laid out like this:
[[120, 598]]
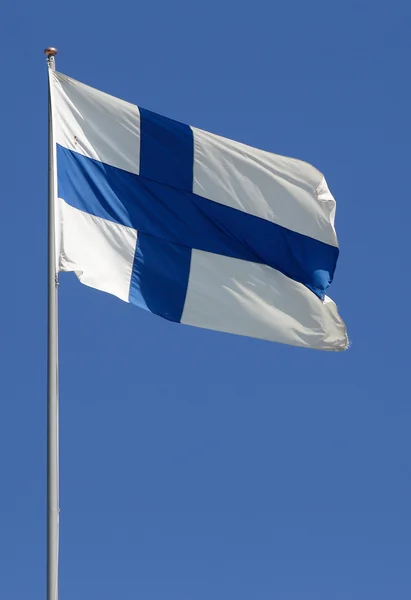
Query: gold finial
[[50, 52]]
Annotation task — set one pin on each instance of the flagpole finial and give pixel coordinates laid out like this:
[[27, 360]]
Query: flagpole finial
[[50, 51], [50, 54]]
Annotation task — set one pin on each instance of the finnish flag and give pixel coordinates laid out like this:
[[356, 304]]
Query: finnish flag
[[191, 226]]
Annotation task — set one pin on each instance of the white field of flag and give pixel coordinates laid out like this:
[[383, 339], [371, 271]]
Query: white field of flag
[[191, 226]]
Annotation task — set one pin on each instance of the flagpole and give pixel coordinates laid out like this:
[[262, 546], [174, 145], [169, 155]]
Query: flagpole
[[52, 369]]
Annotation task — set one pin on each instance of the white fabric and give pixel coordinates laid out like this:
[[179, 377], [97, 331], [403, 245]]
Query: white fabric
[[223, 293], [95, 124], [99, 251], [283, 190], [254, 300]]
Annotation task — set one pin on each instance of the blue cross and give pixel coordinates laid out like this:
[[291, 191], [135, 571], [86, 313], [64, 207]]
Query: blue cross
[[171, 220]]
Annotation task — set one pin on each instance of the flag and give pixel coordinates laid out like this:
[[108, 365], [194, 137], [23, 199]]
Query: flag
[[191, 226]]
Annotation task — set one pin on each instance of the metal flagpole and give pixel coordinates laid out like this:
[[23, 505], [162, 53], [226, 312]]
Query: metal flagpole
[[52, 371]]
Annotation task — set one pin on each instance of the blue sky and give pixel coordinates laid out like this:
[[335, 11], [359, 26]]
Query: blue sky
[[194, 464]]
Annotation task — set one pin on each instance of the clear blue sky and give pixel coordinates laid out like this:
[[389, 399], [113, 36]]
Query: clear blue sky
[[197, 465]]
